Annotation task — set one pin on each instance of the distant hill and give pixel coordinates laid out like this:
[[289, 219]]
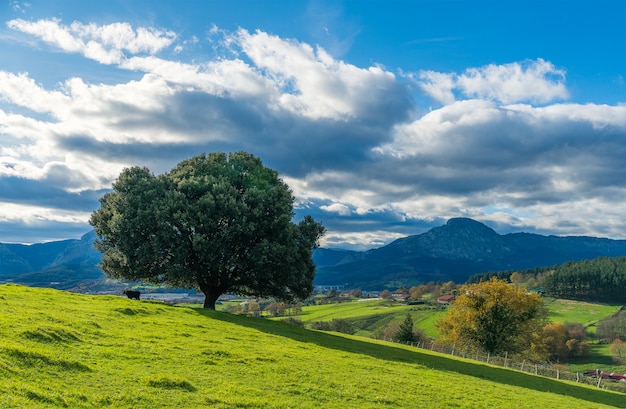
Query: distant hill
[[66, 264], [455, 251]]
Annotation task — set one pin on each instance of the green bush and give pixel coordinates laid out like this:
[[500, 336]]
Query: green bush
[[337, 325]]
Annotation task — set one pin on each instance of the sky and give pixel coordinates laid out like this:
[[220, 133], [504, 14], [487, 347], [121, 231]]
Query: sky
[[385, 118]]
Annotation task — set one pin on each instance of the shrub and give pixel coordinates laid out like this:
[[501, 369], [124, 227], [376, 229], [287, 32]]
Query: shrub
[[337, 325], [294, 321]]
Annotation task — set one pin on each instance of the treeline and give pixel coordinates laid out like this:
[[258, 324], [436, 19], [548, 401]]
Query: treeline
[[613, 328], [602, 280], [599, 280], [530, 278]]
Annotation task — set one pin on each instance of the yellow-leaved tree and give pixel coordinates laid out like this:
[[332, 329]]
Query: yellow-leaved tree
[[493, 316]]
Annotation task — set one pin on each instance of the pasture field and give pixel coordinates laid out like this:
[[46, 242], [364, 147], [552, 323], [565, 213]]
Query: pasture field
[[352, 309], [59, 349], [585, 313], [369, 314]]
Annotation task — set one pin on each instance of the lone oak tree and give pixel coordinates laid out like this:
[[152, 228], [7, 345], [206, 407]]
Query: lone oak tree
[[494, 316], [219, 223]]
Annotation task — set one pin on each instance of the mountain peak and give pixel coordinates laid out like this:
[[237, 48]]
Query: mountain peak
[[463, 238], [465, 223]]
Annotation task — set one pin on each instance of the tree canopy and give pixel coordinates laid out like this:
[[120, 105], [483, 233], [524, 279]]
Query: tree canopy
[[219, 223], [602, 279], [493, 316]]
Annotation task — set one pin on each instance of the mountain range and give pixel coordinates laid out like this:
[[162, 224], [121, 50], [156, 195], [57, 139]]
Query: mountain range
[[455, 251], [66, 264]]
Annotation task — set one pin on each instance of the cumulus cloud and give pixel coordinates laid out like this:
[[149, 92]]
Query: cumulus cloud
[[340, 209], [315, 85], [503, 148], [535, 81]]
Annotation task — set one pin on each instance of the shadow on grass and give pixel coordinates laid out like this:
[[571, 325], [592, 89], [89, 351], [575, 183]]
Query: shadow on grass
[[442, 363]]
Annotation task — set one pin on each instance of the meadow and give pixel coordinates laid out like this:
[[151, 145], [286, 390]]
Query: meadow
[[585, 313], [370, 316], [59, 349]]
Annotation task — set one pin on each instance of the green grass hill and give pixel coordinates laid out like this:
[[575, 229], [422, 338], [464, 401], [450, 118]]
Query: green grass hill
[[60, 349]]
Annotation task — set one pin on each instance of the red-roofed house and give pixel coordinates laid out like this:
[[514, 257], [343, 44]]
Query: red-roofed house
[[446, 299]]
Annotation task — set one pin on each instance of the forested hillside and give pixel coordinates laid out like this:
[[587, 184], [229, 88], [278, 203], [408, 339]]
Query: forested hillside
[[602, 279]]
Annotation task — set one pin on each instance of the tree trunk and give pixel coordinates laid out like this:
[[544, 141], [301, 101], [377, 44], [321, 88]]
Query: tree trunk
[[210, 298]]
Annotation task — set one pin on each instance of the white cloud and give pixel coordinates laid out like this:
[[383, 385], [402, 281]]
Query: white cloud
[[359, 240], [339, 208], [23, 91], [438, 85], [106, 44], [312, 83], [33, 215], [345, 138], [537, 81]]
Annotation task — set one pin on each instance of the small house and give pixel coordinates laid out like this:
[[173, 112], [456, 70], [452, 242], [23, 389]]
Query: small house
[[446, 299]]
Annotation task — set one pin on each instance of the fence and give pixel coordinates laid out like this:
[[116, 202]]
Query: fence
[[514, 362]]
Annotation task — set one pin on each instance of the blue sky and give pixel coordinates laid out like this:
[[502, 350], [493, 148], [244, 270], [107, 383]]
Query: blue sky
[[386, 118]]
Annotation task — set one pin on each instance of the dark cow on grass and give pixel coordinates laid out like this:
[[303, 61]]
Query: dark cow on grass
[[133, 295]]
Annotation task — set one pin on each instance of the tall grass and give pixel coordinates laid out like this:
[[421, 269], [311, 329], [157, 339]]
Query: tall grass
[[68, 350]]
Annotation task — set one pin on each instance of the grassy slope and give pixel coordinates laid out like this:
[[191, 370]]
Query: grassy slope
[[588, 314], [385, 312], [370, 314], [68, 350], [585, 313]]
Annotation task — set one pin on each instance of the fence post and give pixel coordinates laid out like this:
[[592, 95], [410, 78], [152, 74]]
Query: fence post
[[522, 367], [488, 356], [535, 369], [557, 373], [577, 376], [506, 356], [453, 345], [599, 379]]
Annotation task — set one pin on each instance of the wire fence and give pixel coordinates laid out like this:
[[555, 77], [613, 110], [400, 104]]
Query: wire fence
[[597, 378]]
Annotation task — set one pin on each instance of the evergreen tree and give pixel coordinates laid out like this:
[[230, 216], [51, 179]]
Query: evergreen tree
[[405, 331]]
